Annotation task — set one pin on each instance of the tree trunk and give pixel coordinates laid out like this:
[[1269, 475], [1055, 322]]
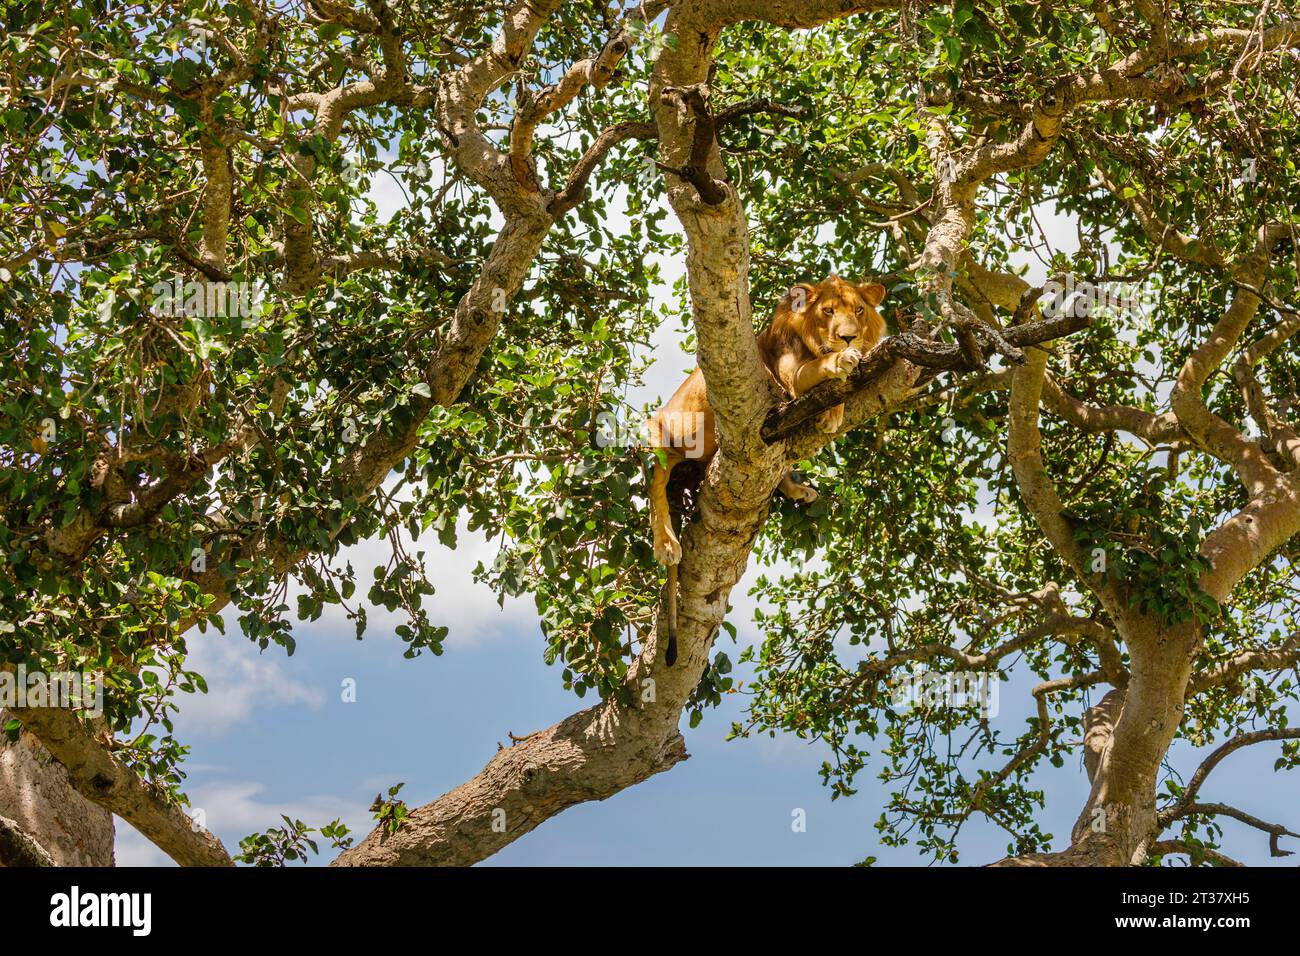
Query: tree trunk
[[36, 796], [1127, 736]]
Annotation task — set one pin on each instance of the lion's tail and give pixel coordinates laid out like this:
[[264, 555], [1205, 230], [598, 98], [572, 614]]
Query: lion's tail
[[670, 608]]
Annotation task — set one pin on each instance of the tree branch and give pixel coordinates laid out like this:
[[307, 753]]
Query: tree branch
[[1274, 830], [786, 419], [1186, 803], [99, 777], [1024, 450], [1197, 853], [1210, 431], [575, 189], [1270, 658], [17, 848], [595, 72], [692, 108]]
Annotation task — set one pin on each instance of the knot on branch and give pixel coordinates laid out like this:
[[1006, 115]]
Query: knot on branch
[[604, 67], [692, 107], [978, 339]]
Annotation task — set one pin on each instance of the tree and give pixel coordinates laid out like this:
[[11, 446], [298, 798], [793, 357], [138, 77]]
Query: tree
[[221, 366]]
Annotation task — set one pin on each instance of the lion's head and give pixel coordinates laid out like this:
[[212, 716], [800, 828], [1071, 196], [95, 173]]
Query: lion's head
[[836, 314]]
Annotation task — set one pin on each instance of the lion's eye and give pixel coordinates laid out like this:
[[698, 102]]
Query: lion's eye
[[827, 310], [859, 310]]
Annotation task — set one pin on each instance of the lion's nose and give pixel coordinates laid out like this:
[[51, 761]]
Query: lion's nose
[[848, 339]]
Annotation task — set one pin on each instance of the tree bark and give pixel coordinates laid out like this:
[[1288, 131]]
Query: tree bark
[[1118, 824], [35, 794], [591, 755], [1127, 735]]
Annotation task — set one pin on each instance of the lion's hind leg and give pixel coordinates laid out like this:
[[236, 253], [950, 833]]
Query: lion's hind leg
[[831, 420], [668, 550], [796, 491]]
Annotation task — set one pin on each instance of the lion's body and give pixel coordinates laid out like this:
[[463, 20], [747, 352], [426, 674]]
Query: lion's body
[[817, 333]]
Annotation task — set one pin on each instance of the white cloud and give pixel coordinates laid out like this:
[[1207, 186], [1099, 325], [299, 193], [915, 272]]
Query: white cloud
[[236, 809], [466, 607], [240, 680]]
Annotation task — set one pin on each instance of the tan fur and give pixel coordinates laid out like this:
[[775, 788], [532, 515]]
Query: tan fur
[[817, 333]]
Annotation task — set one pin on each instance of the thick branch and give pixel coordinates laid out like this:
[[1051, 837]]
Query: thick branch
[[101, 778], [1152, 428], [1024, 450], [17, 848], [1210, 431], [1099, 729], [1265, 659], [1272, 421], [1245, 541]]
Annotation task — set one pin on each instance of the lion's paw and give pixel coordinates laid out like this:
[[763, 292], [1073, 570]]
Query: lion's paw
[[797, 492], [847, 361], [668, 551], [830, 420]]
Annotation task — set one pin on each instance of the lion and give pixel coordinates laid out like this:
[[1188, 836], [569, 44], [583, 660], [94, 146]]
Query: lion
[[817, 333]]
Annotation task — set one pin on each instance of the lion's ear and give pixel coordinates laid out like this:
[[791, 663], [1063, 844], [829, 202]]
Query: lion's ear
[[873, 292], [801, 296]]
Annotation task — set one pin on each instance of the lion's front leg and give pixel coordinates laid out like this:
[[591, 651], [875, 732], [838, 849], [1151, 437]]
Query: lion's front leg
[[815, 371]]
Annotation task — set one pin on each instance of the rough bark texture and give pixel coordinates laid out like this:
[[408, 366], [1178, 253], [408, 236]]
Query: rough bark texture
[[96, 773], [591, 755], [19, 849], [36, 795], [1118, 823]]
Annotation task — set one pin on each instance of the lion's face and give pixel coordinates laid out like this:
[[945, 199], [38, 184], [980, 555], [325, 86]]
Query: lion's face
[[836, 315]]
